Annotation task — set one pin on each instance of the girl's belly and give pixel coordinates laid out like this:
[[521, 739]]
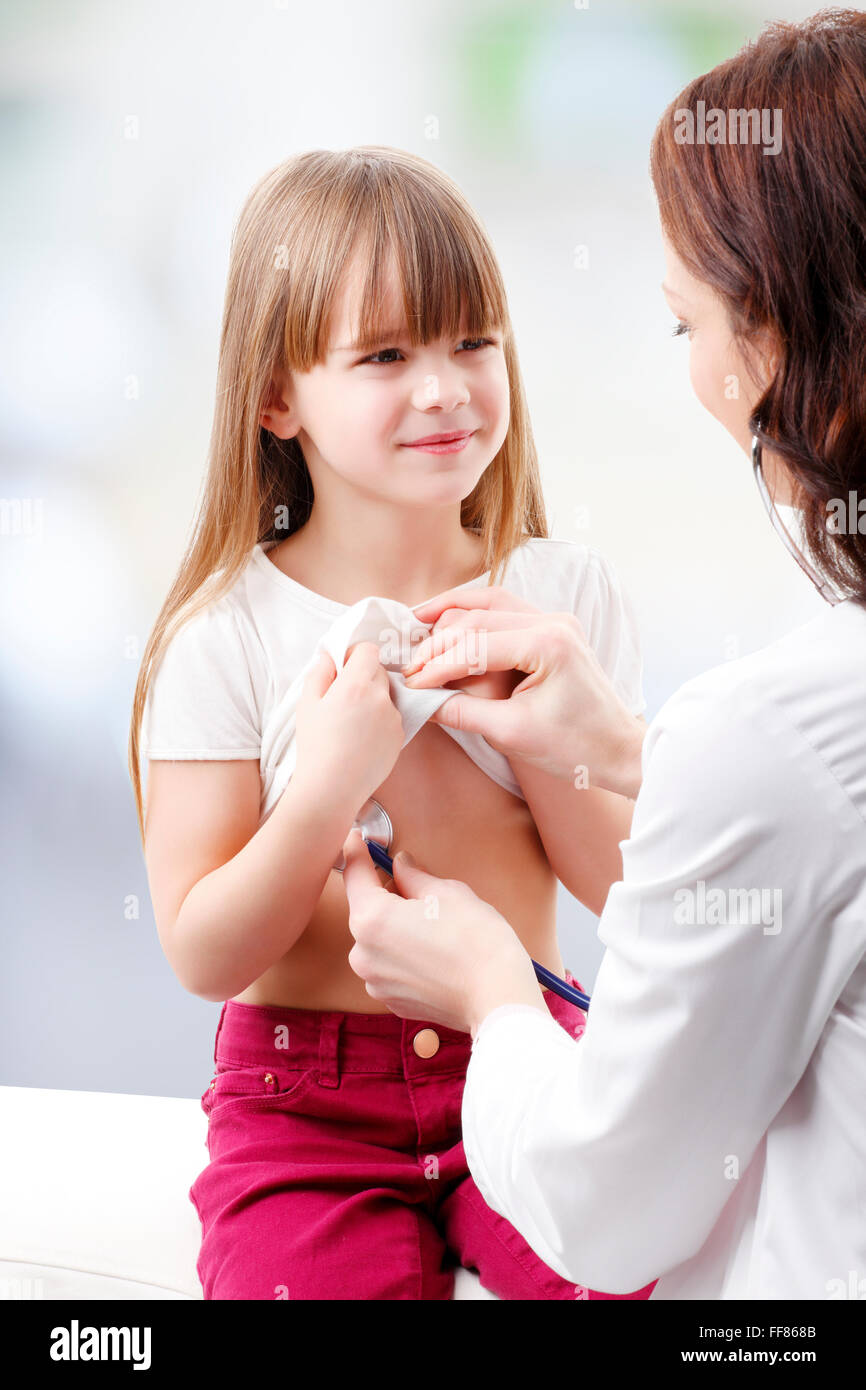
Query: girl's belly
[[457, 823]]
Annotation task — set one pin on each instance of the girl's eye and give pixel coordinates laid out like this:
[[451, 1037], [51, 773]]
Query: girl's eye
[[376, 358], [681, 328], [382, 353]]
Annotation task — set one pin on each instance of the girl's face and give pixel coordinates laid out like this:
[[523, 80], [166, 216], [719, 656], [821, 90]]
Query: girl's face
[[359, 415], [720, 376]]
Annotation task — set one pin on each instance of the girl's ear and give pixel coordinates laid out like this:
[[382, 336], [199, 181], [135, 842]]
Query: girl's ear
[[278, 414]]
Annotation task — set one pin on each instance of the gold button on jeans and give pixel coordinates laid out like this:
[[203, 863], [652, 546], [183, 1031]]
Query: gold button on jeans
[[426, 1043]]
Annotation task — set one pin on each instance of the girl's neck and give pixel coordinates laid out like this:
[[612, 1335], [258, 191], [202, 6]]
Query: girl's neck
[[353, 567]]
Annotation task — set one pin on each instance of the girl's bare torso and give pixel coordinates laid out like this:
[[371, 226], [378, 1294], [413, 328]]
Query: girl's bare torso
[[458, 823]]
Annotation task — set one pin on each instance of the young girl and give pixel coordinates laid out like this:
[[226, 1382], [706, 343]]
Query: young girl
[[371, 443]]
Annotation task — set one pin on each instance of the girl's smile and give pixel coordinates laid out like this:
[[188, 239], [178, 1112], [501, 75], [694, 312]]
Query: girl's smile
[[451, 443]]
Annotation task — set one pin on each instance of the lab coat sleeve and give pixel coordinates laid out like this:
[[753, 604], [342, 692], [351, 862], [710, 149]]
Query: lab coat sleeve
[[614, 1154]]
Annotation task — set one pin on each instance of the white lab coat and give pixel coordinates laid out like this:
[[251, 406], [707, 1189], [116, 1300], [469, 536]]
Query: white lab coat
[[709, 1128]]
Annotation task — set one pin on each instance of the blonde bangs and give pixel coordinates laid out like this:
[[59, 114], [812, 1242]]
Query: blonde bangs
[[391, 221]]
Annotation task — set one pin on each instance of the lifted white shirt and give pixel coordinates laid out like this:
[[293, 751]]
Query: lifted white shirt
[[228, 682]]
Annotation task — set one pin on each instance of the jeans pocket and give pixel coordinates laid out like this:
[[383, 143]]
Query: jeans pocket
[[236, 1086]]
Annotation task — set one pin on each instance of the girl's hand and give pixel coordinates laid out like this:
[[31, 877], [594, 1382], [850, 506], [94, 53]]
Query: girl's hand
[[563, 717], [349, 731]]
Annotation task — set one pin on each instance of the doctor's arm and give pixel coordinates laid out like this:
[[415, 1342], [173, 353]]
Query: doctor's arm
[[614, 1155]]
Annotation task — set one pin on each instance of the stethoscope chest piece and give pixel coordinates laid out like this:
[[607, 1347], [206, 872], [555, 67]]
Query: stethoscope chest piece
[[374, 824]]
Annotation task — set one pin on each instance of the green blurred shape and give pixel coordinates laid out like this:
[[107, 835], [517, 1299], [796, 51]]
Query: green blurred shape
[[703, 35], [492, 53], [493, 48]]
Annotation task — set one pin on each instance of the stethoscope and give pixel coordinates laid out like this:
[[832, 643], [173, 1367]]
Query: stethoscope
[[375, 824], [824, 589], [377, 830]]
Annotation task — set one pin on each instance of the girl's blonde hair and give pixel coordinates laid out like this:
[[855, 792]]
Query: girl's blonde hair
[[297, 232]]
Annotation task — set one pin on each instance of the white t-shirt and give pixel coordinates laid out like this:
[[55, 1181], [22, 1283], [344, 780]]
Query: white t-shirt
[[709, 1126], [228, 682]]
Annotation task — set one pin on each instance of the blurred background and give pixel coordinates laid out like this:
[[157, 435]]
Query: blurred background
[[131, 135]]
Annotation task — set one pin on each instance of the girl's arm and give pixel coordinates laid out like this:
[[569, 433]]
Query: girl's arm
[[580, 828], [230, 899]]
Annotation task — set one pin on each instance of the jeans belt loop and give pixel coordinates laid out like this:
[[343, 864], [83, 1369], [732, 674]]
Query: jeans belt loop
[[329, 1049]]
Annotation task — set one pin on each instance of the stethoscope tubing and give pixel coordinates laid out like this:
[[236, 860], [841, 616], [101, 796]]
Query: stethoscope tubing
[[825, 589]]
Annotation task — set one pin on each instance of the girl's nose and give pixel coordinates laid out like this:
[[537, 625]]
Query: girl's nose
[[446, 389]]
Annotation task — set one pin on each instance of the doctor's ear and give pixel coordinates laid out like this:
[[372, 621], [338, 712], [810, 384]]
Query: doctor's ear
[[278, 414], [763, 357]]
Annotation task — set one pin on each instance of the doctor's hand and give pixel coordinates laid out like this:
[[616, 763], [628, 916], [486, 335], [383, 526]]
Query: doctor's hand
[[564, 716], [432, 949]]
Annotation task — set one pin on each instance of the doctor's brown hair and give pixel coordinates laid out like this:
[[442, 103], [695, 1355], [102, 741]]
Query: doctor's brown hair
[[781, 238], [297, 233]]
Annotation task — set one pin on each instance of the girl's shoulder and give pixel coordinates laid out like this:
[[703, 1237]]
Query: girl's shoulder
[[569, 572], [215, 636]]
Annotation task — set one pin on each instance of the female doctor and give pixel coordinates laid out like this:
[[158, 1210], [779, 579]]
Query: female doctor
[[709, 1126]]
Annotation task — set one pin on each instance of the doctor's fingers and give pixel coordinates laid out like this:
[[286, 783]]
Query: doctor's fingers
[[367, 897], [471, 629], [417, 889], [487, 596], [537, 651]]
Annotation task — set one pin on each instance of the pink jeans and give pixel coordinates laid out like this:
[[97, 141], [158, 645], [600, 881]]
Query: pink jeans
[[337, 1168]]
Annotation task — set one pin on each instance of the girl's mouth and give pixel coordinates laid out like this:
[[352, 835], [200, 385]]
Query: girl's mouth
[[450, 443]]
